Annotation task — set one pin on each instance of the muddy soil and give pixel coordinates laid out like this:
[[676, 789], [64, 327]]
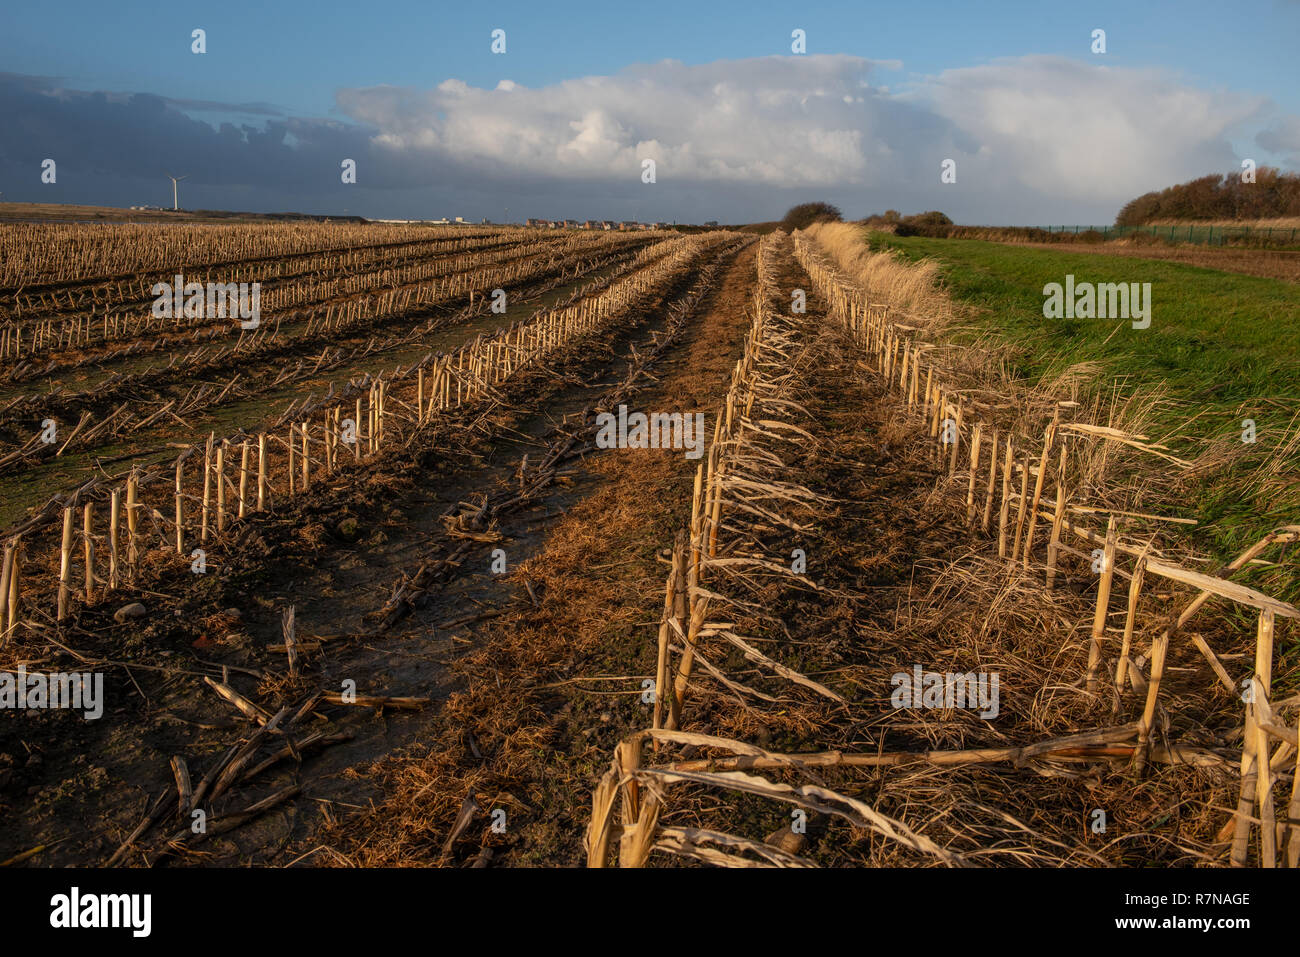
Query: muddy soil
[[80, 787], [548, 689]]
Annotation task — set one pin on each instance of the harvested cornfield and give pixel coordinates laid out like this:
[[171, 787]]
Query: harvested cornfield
[[1022, 641], [496, 547]]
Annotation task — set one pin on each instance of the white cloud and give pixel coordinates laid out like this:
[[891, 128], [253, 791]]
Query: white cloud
[[1022, 130], [1036, 139], [1092, 133], [777, 121]]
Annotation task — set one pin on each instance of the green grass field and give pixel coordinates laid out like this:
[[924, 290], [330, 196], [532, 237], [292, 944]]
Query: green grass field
[[1225, 347]]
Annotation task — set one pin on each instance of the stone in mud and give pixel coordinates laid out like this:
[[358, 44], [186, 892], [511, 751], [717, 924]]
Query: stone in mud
[[234, 613], [786, 840], [349, 529], [127, 612]]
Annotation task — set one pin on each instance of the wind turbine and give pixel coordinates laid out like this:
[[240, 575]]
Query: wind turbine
[[175, 180]]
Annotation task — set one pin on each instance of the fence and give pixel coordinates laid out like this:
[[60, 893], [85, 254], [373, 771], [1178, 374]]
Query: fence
[[1193, 233]]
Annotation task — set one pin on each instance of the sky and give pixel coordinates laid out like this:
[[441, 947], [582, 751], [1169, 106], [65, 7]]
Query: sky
[[1039, 127]]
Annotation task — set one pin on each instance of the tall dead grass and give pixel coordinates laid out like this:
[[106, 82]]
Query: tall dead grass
[[1112, 460], [908, 289], [984, 367], [1277, 222]]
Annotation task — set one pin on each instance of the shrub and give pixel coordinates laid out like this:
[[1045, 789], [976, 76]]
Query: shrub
[[805, 214], [1273, 194]]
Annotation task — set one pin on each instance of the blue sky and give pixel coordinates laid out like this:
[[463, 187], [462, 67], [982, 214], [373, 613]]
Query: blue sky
[[333, 73]]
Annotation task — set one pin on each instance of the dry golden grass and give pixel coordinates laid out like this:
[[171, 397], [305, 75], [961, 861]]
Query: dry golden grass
[[939, 598], [910, 290], [1279, 222]]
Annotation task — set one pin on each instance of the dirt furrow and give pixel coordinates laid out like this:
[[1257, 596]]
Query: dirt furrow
[[379, 532]]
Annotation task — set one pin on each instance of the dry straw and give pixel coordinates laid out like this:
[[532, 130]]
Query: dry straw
[[1050, 454]]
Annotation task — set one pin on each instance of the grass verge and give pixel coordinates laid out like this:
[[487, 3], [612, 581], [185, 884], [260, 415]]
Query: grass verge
[[1222, 348]]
